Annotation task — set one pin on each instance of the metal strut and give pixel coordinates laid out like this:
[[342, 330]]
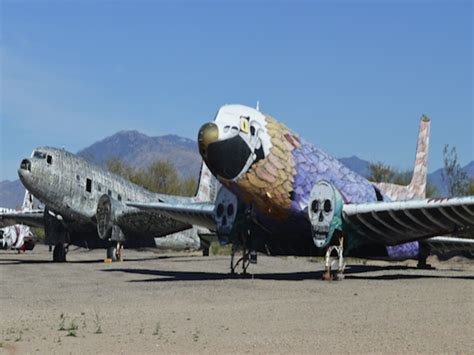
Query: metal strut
[[245, 259], [339, 275], [119, 251]]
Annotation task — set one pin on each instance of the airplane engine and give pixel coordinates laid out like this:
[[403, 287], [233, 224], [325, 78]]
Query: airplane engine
[[324, 212], [226, 212], [108, 210]]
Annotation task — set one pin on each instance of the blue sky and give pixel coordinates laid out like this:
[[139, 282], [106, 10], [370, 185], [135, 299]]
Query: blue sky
[[351, 77]]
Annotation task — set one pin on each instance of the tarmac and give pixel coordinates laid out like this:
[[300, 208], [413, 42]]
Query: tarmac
[[186, 303]]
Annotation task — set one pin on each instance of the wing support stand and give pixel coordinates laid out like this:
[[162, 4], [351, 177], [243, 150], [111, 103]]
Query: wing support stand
[[328, 272]]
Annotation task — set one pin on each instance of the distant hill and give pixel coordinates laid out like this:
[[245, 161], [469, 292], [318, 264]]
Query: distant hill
[[356, 164], [139, 150], [11, 194]]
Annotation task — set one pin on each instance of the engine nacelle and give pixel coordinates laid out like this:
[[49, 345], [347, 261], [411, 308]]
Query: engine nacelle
[[225, 213], [108, 210], [324, 212]]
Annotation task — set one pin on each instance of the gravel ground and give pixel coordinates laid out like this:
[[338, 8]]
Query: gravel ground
[[186, 303]]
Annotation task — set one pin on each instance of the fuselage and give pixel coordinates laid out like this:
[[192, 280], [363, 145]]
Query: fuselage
[[273, 169]]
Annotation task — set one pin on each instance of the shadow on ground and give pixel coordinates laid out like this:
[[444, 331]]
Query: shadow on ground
[[354, 272], [25, 260]]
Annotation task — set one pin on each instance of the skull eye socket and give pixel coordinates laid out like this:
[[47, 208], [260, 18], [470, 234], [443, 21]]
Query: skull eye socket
[[230, 210], [220, 210], [315, 206], [327, 206]]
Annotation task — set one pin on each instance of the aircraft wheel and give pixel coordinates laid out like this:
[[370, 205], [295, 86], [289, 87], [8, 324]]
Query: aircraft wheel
[[59, 253], [112, 253], [205, 252]]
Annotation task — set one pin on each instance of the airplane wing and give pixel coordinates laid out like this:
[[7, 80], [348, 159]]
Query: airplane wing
[[450, 244], [199, 214], [32, 218], [392, 223]]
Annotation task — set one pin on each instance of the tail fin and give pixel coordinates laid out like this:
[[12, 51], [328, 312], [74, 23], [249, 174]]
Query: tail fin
[[27, 201], [420, 172], [207, 187], [417, 187]]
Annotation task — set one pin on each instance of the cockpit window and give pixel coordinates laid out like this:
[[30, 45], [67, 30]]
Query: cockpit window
[[39, 155], [49, 159]]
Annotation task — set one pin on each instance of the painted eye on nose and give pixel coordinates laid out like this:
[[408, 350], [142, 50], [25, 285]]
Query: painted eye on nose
[[315, 206]]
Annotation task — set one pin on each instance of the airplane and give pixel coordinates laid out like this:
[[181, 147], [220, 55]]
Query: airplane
[[295, 199], [18, 236], [85, 205]]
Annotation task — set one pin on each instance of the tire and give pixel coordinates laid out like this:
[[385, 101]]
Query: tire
[[205, 252], [59, 253], [112, 253]]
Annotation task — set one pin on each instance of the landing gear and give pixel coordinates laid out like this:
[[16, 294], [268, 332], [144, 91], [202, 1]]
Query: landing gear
[[422, 257], [205, 252], [59, 253], [339, 274], [249, 256], [115, 252], [245, 259]]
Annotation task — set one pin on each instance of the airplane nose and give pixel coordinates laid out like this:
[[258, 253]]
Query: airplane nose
[[25, 165], [208, 134]]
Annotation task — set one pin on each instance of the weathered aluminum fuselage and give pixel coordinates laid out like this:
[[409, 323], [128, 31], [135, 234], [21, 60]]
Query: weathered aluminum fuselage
[[71, 187]]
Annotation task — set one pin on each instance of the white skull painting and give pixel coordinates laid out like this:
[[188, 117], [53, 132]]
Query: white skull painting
[[321, 210], [225, 211]]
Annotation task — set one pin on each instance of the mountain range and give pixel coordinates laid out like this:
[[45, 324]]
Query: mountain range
[[139, 151]]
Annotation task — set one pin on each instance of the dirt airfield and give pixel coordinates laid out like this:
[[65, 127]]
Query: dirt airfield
[[186, 303]]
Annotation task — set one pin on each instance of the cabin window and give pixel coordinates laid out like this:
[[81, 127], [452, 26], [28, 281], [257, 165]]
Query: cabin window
[[39, 155], [78, 178], [119, 197], [99, 187], [49, 159], [109, 193], [88, 185]]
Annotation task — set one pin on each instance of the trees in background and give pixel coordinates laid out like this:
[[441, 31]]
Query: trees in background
[[456, 179], [161, 177]]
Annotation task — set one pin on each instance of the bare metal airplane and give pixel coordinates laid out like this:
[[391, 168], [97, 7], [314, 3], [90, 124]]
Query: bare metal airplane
[[86, 206], [298, 200]]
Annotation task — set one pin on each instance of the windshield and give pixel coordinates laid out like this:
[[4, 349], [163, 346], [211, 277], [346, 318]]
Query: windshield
[[39, 155]]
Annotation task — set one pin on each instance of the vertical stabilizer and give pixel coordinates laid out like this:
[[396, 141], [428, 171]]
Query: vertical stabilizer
[[416, 190], [420, 172], [208, 186]]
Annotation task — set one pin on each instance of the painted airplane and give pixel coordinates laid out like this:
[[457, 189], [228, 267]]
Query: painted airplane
[[298, 200], [86, 206], [18, 236]]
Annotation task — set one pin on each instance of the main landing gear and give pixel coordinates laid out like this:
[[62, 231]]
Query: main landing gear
[[59, 252], [115, 252], [337, 274]]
